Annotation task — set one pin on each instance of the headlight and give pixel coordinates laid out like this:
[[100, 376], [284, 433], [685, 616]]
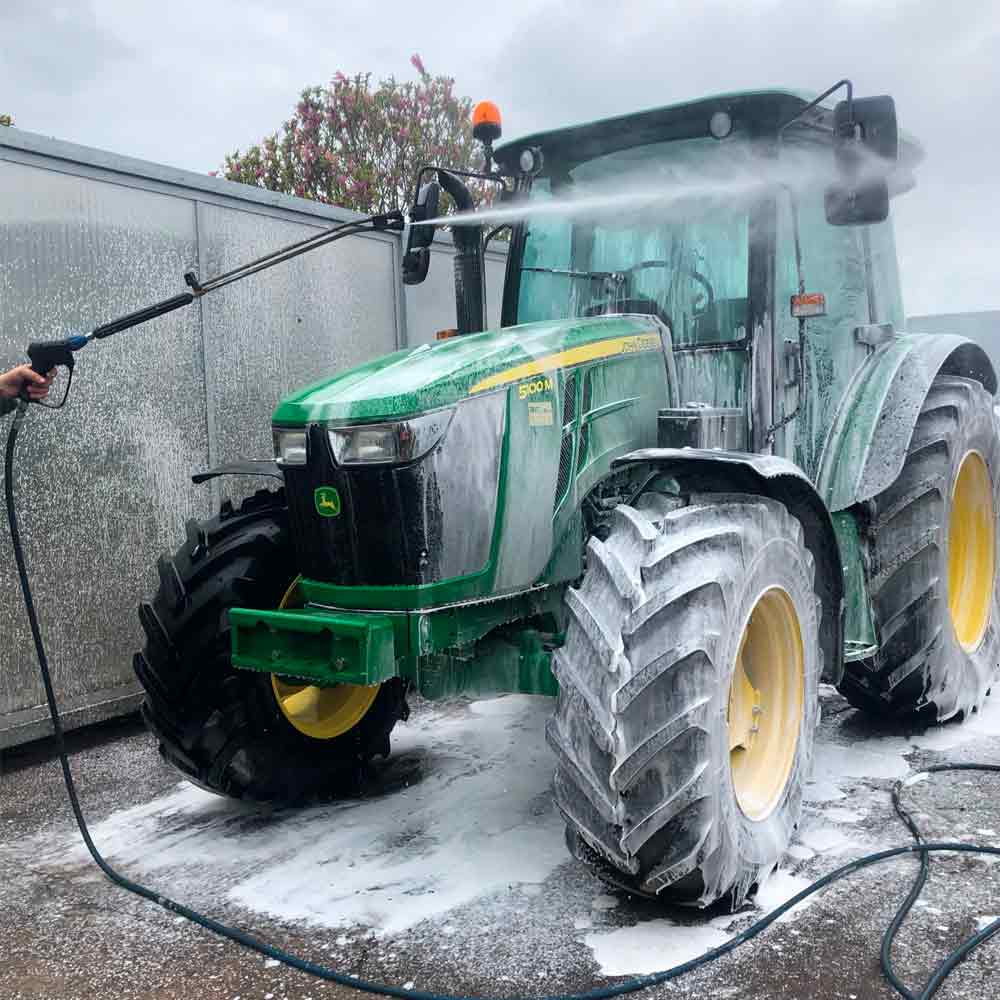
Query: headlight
[[290, 447], [389, 443]]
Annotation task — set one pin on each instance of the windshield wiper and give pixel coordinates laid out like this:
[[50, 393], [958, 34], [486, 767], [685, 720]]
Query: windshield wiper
[[615, 275], [570, 273]]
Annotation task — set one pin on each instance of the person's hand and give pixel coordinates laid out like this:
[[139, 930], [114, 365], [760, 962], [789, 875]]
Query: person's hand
[[22, 377]]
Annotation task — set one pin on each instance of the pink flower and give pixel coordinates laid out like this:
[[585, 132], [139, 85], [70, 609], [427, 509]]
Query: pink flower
[[314, 155]]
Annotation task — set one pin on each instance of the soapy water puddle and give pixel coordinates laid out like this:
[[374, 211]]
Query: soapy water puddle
[[463, 830]]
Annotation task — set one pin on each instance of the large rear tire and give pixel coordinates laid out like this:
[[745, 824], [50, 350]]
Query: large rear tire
[[688, 702], [225, 729], [933, 576]]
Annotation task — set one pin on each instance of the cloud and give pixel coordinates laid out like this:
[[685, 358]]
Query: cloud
[[184, 85], [53, 50]]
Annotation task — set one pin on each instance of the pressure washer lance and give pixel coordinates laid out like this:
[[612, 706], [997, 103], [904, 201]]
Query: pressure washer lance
[[48, 354]]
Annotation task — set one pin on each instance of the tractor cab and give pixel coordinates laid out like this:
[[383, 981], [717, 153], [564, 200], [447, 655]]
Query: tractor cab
[[660, 209], [723, 217]]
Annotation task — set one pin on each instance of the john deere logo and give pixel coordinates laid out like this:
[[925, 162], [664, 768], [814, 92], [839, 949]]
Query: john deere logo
[[327, 501]]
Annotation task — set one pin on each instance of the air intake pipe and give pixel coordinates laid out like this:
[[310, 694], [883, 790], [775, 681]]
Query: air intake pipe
[[470, 305]]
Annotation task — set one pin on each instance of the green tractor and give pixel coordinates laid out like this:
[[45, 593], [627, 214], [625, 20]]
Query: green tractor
[[696, 471]]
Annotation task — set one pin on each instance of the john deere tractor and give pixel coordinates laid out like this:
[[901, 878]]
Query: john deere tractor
[[696, 471]]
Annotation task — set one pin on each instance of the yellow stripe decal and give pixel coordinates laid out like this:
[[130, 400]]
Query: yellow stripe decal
[[572, 356]]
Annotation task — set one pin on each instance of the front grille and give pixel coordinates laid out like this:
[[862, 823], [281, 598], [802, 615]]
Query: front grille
[[326, 547], [404, 524]]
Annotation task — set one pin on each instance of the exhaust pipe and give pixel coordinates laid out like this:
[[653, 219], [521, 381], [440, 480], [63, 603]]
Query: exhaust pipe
[[470, 299]]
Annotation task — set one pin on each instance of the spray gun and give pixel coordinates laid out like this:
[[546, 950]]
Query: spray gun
[[48, 354]]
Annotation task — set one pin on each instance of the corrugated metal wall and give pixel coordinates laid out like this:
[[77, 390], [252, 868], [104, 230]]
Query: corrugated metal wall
[[104, 485]]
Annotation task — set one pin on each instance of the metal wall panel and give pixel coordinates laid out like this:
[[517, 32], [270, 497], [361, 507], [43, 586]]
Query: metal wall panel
[[982, 327], [104, 486], [101, 485], [298, 323]]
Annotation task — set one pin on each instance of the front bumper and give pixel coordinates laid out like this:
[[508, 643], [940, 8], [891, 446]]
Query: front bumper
[[326, 645], [318, 645]]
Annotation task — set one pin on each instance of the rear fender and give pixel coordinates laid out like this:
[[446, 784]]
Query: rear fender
[[868, 441], [770, 476]]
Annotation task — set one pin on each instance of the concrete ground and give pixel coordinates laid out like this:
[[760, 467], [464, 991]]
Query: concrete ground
[[451, 875]]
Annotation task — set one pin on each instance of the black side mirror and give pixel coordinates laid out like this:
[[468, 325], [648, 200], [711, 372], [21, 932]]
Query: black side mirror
[[866, 139], [417, 258], [856, 206], [868, 122]]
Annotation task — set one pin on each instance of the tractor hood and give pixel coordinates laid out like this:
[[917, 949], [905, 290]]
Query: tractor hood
[[441, 374]]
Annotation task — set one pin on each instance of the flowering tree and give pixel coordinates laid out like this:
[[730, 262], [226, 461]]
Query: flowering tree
[[359, 145]]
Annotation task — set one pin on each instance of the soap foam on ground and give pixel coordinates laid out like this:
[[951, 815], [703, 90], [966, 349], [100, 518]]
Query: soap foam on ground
[[473, 824], [479, 821], [651, 946]]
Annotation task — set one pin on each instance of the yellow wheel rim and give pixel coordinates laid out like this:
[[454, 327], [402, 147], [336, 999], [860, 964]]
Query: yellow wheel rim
[[324, 713], [765, 704], [971, 551]]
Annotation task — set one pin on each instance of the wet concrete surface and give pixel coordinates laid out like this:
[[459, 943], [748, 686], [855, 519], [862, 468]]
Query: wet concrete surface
[[451, 875]]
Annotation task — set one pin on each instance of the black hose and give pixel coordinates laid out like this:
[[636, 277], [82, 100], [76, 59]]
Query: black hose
[[601, 993], [954, 957]]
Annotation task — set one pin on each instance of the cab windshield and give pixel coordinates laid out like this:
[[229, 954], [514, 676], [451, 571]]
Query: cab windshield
[[661, 229]]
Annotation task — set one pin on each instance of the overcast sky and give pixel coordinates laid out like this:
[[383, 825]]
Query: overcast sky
[[184, 82]]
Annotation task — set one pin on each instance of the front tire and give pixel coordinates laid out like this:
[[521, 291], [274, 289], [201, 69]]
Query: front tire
[[225, 729], [691, 617], [933, 576]]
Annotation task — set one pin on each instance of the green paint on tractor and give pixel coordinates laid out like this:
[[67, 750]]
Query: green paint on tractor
[[450, 371], [580, 392], [697, 468]]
